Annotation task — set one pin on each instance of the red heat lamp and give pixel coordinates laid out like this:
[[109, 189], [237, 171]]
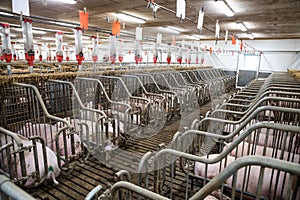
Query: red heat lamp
[[120, 58], [169, 60], [79, 58], [179, 60], [155, 59], [136, 59]]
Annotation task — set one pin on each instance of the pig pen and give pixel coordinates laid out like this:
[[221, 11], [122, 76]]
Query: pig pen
[[72, 188]]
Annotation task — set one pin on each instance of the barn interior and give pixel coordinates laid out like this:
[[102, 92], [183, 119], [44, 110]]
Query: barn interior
[[162, 99]]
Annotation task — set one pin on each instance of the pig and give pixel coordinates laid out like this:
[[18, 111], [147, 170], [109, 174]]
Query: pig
[[48, 133], [77, 144], [109, 147], [53, 169], [291, 142], [210, 197], [44, 130], [214, 169], [269, 180], [259, 151]]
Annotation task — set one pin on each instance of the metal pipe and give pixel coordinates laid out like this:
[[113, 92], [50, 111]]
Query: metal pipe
[[122, 173], [125, 87], [255, 107], [263, 161], [142, 86], [102, 87], [10, 190], [233, 144], [38, 95], [93, 192], [17, 139], [256, 102], [136, 189], [78, 98]]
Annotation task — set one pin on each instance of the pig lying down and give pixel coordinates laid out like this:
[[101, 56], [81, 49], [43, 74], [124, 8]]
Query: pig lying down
[[246, 148], [52, 170], [48, 133], [270, 178]]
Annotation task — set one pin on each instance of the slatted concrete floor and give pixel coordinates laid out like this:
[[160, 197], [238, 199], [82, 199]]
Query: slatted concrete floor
[[86, 176]]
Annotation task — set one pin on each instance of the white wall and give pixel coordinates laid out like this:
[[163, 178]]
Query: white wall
[[277, 55]]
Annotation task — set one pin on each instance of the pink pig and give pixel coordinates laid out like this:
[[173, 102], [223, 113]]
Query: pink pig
[[48, 133], [252, 180], [53, 169]]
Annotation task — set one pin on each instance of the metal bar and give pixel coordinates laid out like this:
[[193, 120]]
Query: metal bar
[[40, 100], [93, 193], [225, 152], [78, 98], [136, 189], [12, 191], [255, 106], [263, 161], [16, 138]]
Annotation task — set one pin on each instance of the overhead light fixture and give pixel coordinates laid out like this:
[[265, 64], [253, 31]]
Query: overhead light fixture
[[64, 24], [171, 30], [224, 7], [48, 38], [86, 41], [66, 1], [200, 36], [33, 31], [250, 36], [18, 46], [18, 29], [241, 26], [38, 32], [130, 18], [193, 37], [7, 14], [82, 37], [13, 35]]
